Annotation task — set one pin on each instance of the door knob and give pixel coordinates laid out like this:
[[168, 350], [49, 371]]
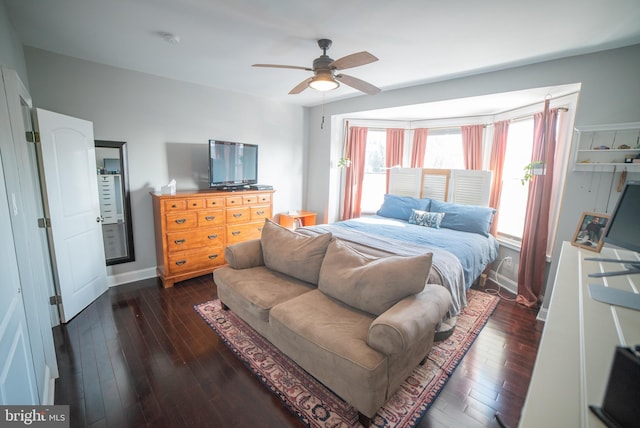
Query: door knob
[[99, 219]]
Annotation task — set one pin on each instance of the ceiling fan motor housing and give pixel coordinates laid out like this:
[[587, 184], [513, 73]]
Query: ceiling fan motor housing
[[322, 63]]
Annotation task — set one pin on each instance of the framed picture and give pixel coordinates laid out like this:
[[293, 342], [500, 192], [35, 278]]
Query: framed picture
[[590, 231]]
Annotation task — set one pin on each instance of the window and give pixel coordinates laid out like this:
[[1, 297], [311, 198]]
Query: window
[[513, 200], [374, 183], [444, 149]]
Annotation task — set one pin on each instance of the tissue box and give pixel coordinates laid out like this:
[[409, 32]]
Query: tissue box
[[169, 189]]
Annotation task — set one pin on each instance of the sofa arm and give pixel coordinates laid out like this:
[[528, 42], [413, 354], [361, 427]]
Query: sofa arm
[[244, 255], [397, 329]]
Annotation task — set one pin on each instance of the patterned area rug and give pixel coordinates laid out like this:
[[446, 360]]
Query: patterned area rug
[[316, 405]]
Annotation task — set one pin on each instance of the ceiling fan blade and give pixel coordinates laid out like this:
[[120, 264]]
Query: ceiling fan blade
[[353, 60], [358, 84], [295, 67], [300, 86]]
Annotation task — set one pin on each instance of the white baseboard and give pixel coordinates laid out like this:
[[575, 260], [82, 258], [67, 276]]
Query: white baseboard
[[127, 277], [504, 282], [542, 314], [49, 393]]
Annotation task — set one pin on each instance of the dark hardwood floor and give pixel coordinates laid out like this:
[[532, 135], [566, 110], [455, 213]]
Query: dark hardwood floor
[[141, 356]]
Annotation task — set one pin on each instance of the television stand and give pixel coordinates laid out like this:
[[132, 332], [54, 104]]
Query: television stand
[[632, 266]]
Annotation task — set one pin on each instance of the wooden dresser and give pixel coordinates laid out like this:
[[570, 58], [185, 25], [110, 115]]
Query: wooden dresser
[[193, 229]]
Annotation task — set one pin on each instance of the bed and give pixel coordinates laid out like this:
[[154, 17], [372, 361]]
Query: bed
[[457, 235]]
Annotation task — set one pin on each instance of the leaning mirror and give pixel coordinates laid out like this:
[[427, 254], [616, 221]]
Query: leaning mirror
[[115, 204]]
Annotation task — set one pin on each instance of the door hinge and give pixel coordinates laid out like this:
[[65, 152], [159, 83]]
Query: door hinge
[[44, 222], [33, 136], [55, 300]]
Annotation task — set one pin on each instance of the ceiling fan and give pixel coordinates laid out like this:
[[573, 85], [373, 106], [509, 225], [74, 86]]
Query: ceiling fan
[[324, 70]]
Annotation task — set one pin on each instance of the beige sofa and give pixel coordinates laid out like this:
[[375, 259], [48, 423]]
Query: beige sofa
[[360, 325]]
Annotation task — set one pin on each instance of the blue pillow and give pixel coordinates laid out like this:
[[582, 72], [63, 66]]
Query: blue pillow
[[425, 218], [466, 218], [400, 207]]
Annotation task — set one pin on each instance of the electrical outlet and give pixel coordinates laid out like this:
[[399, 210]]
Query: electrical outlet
[[507, 261]]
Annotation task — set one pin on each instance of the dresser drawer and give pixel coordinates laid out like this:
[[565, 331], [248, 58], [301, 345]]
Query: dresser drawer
[[249, 199], [244, 232], [216, 202], [264, 199], [193, 239], [181, 221], [196, 203], [175, 205], [231, 201], [186, 261], [210, 218], [238, 215], [260, 212]]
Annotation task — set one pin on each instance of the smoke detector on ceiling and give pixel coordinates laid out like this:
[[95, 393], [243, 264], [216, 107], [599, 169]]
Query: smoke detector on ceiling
[[171, 38]]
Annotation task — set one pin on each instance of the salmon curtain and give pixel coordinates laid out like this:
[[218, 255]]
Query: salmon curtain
[[533, 255], [394, 151], [419, 147], [355, 152], [496, 165], [472, 146]]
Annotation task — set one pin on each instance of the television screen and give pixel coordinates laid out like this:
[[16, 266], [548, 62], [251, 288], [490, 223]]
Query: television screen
[[624, 229], [232, 164]]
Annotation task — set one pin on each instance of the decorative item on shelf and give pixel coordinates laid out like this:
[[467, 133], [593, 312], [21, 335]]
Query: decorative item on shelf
[[624, 147], [601, 148], [344, 163], [532, 169]]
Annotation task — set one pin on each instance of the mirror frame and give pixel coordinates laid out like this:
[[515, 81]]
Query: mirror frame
[[122, 147]]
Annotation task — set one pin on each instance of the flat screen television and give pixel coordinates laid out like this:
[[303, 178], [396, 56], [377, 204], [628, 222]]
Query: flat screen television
[[623, 230], [624, 227], [232, 165]]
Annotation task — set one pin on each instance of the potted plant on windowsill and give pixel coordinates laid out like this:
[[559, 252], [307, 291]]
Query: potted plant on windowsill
[[344, 163], [532, 169]]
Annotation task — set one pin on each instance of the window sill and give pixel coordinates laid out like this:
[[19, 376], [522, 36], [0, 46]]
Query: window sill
[[509, 243]]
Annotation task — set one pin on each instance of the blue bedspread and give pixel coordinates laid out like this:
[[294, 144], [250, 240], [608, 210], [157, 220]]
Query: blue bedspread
[[474, 251]]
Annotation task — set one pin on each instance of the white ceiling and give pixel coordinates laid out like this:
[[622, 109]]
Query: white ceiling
[[417, 41]]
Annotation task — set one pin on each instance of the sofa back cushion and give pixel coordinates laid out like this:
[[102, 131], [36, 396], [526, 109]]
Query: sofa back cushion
[[293, 254], [371, 284]]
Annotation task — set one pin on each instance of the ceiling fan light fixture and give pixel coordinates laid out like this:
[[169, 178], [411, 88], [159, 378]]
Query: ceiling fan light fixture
[[323, 82]]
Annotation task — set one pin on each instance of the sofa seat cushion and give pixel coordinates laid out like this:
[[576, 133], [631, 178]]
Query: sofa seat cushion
[[291, 253], [256, 290], [329, 340], [369, 283]]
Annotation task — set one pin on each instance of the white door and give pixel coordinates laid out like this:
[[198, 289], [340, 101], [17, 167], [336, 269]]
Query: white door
[[71, 194], [17, 376]]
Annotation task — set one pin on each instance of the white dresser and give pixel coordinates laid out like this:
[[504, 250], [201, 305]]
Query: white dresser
[[110, 193], [578, 342]]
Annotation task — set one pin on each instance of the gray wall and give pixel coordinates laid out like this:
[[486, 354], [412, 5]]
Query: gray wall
[[167, 125], [610, 94], [11, 53]]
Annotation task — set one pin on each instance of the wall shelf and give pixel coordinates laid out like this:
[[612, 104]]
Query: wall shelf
[[613, 139]]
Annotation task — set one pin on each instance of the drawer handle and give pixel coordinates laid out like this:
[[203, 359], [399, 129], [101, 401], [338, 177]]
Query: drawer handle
[[237, 215], [261, 212], [210, 218], [213, 256], [179, 241], [180, 262], [214, 236], [181, 220], [174, 206], [236, 233], [232, 202]]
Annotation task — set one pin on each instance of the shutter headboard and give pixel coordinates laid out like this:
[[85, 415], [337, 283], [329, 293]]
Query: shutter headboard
[[460, 186]]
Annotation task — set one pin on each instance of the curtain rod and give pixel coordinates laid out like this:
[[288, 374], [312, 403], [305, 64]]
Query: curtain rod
[[527, 116]]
